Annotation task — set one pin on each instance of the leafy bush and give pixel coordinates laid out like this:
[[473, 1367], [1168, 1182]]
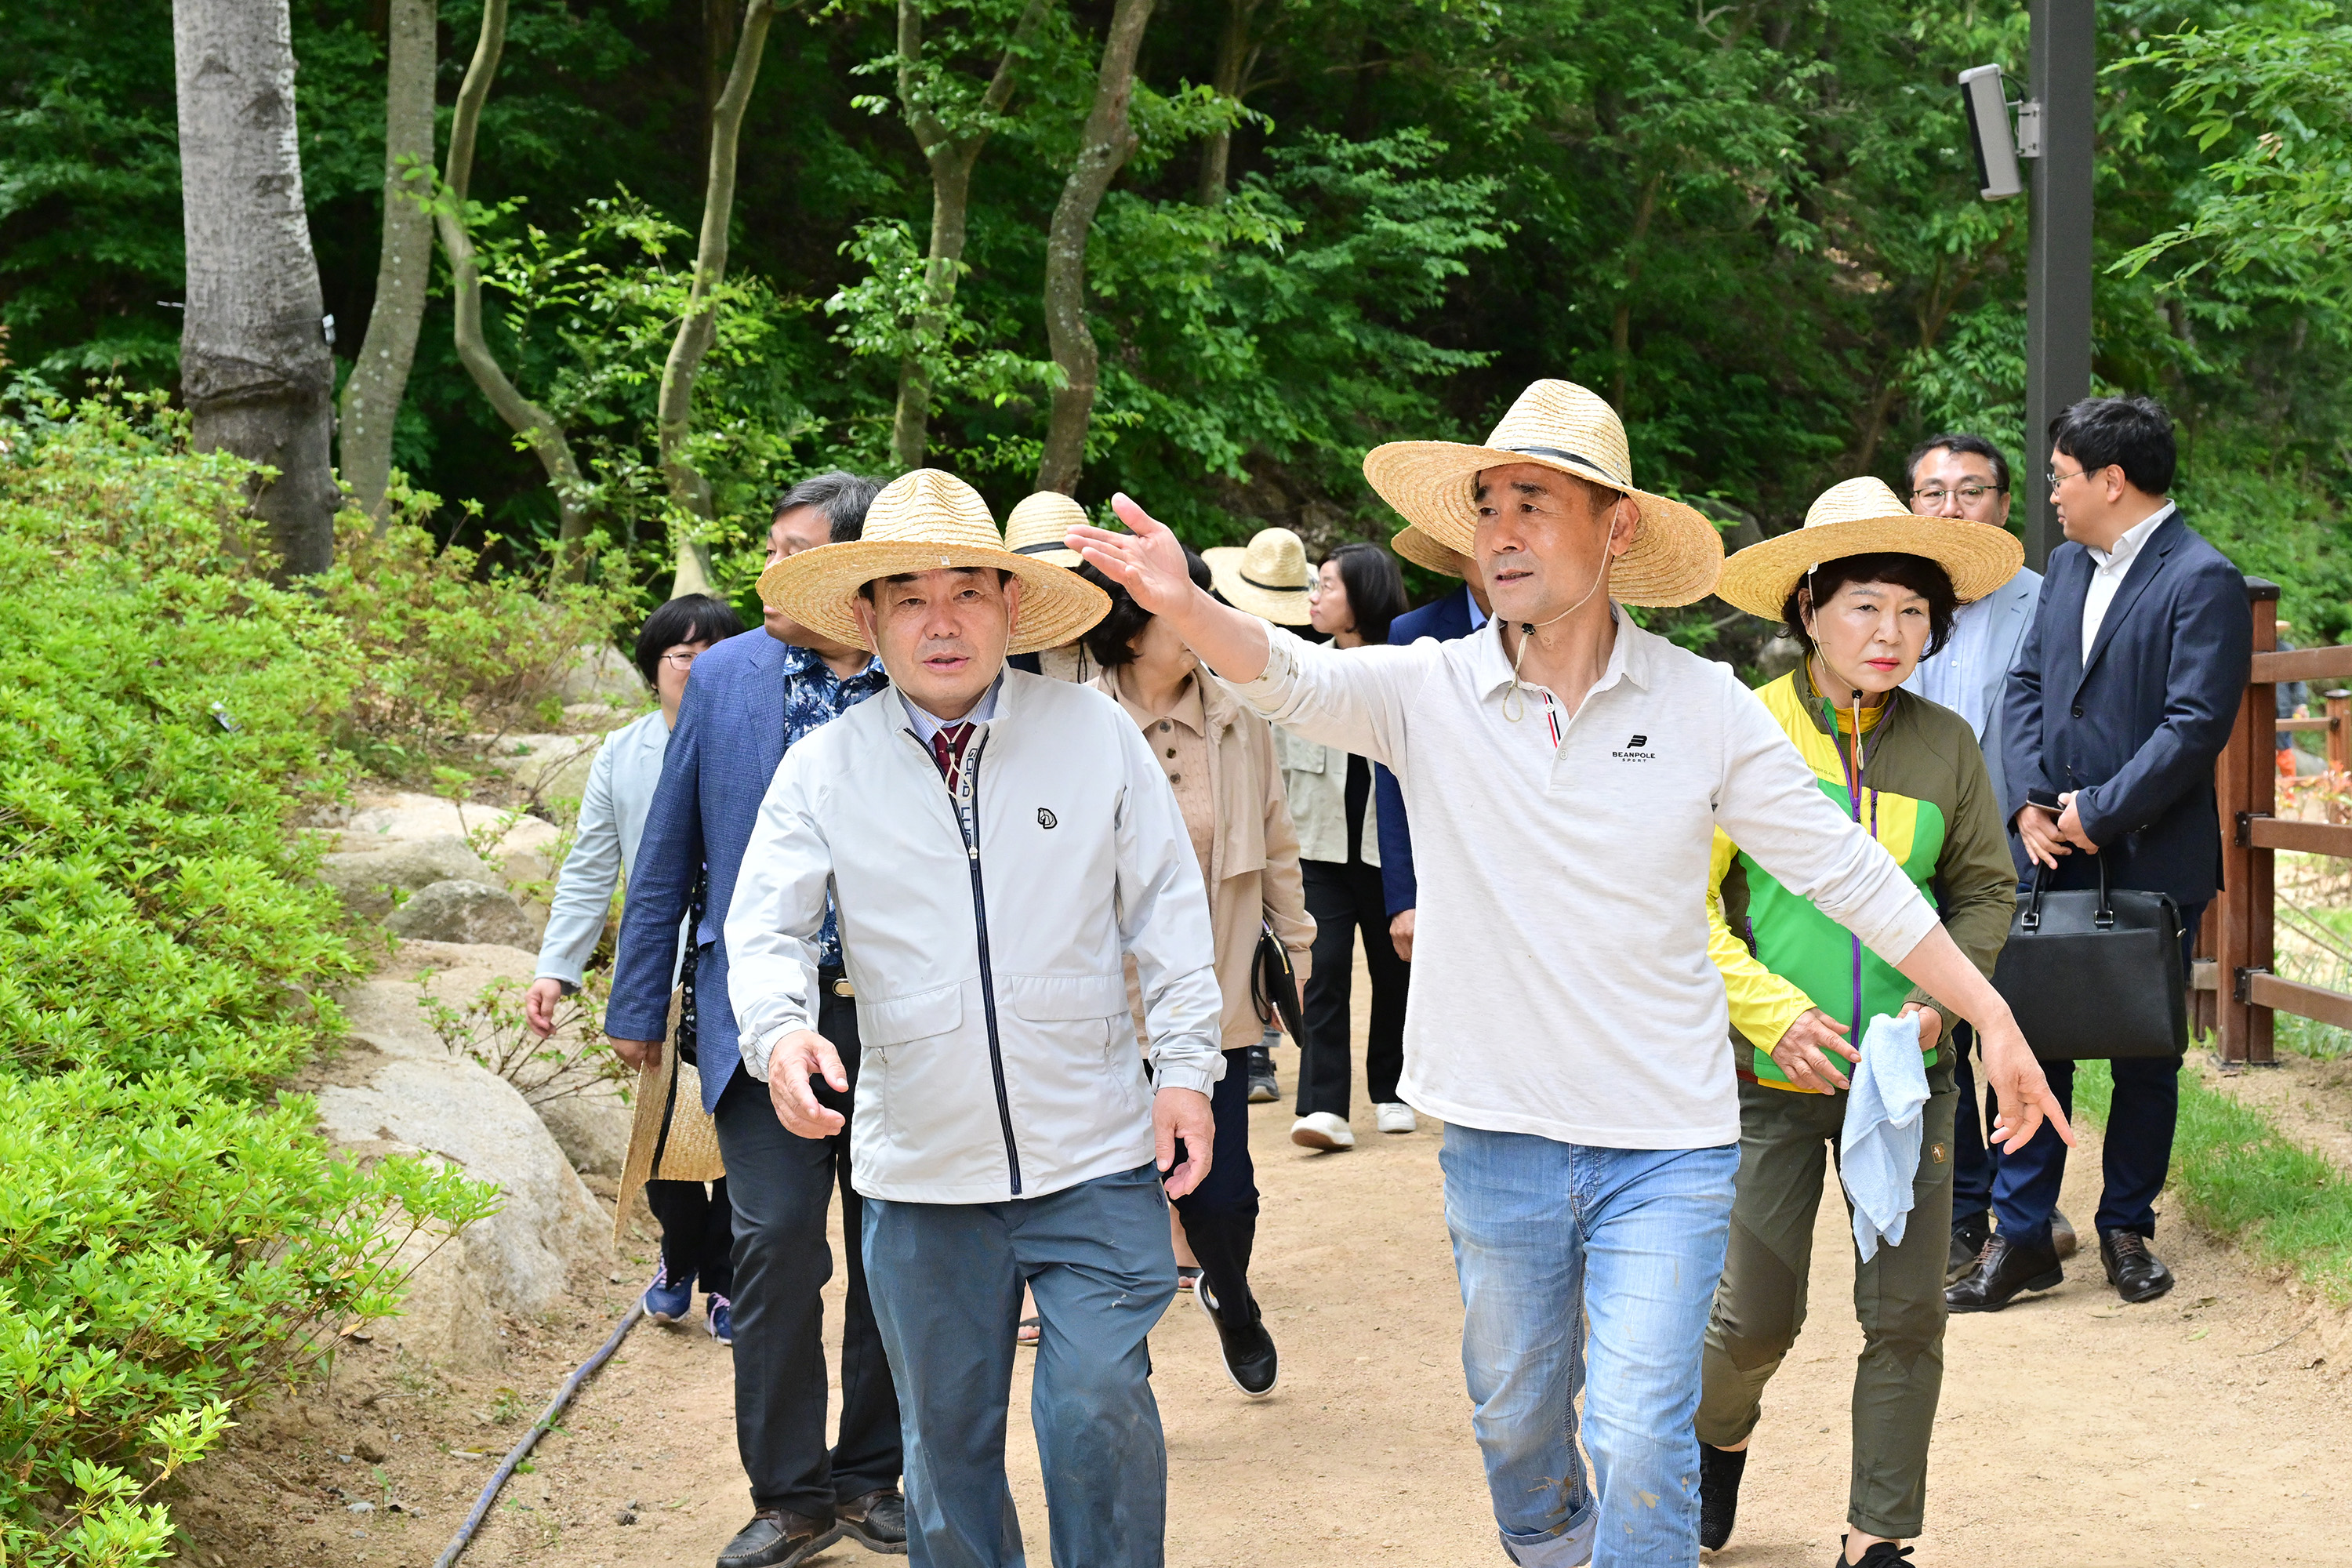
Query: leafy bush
[[171, 1241]]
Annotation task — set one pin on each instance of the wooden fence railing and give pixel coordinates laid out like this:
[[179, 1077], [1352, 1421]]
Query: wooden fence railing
[[2234, 990]]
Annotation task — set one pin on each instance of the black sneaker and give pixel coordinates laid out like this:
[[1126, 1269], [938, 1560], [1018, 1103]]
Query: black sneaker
[[1247, 1349], [778, 1538], [1968, 1237], [1718, 1493], [1264, 1085], [876, 1521]]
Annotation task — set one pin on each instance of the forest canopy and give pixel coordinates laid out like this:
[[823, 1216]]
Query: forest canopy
[[1754, 226]]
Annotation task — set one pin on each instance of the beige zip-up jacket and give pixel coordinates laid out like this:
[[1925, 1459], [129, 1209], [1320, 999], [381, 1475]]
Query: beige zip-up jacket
[[1253, 872], [1314, 781]]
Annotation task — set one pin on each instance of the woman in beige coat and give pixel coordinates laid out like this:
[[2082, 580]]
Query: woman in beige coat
[[1219, 758]]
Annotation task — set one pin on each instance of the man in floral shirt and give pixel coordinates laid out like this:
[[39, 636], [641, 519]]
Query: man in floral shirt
[[751, 699]]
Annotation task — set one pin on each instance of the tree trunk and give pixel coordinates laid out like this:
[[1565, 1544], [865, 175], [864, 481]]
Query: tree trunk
[[1620, 320], [689, 492], [526, 418], [380, 378], [254, 365], [951, 155], [1106, 144], [1235, 57]]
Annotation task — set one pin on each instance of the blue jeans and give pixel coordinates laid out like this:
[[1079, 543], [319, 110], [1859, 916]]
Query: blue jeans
[[946, 1280], [1569, 1254]]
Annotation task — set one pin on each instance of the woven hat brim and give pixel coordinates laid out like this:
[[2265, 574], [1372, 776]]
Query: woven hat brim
[[1673, 559], [690, 1151], [1283, 606], [1069, 560], [1978, 558], [816, 587], [1425, 553]]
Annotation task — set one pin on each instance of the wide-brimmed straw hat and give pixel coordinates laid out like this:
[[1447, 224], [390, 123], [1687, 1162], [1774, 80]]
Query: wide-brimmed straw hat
[[671, 1137], [1862, 517], [1037, 524], [1268, 577], [1559, 424], [1425, 553], [929, 520]]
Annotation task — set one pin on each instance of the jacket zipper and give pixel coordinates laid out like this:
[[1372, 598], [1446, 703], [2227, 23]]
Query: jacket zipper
[[968, 821]]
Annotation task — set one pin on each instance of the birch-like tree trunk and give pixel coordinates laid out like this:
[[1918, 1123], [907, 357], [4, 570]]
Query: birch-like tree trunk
[[689, 490], [253, 365], [1235, 56], [541, 433], [1107, 142], [380, 377], [951, 150]]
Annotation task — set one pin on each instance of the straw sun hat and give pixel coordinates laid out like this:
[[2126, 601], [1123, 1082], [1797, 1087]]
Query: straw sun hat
[[924, 522], [1675, 552], [1268, 577], [1425, 553], [1862, 517], [1037, 524]]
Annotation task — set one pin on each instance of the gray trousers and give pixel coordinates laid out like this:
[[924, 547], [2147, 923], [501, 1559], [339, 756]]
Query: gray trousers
[[780, 1186], [947, 1292]]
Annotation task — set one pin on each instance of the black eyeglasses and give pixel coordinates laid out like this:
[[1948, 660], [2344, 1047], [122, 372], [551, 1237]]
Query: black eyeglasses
[[1968, 494]]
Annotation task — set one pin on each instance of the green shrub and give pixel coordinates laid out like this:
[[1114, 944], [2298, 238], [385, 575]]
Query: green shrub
[[172, 1237]]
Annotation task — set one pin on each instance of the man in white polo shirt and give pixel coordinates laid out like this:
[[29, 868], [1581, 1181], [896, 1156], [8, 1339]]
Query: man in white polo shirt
[[1566, 772]]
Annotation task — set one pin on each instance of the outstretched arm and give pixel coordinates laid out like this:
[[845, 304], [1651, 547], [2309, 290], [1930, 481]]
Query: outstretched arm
[[1149, 563]]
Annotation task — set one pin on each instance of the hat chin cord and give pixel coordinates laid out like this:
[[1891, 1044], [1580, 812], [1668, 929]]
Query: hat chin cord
[[1528, 630]]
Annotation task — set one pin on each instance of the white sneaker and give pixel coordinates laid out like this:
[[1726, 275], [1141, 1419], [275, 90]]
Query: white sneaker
[[1396, 1117], [1322, 1131]]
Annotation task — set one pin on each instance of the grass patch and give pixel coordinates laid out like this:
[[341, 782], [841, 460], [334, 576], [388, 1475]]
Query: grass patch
[[2240, 1178]]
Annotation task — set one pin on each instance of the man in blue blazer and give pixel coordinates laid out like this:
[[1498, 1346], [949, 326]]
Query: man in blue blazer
[[749, 699], [2120, 700], [1451, 615], [1963, 475]]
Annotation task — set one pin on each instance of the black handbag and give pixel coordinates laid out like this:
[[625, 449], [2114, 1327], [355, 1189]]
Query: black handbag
[[2095, 975], [1274, 984]]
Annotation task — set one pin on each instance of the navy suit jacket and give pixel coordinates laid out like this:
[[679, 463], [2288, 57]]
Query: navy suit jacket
[[1444, 619], [2135, 728], [729, 740]]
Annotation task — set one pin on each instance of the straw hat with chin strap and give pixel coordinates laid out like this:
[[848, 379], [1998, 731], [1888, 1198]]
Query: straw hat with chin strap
[[1862, 517], [1037, 524], [1675, 551], [1268, 578], [929, 520]]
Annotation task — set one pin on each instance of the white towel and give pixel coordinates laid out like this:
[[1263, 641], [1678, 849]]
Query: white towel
[[1878, 1148]]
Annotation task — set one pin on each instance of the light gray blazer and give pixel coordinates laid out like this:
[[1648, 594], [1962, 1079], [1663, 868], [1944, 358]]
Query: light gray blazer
[[2010, 607], [613, 809]]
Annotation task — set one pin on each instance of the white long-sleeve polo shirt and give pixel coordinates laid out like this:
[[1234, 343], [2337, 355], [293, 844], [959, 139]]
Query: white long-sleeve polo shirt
[[1561, 984]]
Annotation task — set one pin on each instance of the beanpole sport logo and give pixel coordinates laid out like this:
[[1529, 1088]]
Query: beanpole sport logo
[[1634, 751], [1045, 818]]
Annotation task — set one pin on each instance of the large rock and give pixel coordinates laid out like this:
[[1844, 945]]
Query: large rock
[[463, 911], [521, 1257], [552, 767], [603, 673], [367, 877], [592, 1127]]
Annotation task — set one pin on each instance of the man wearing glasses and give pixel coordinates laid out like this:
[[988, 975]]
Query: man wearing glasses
[[2121, 696], [1964, 476]]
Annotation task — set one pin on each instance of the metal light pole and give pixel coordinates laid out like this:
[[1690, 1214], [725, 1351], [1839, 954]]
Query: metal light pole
[[2063, 66]]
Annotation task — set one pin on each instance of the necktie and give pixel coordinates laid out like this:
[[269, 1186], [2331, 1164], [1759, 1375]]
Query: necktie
[[948, 742]]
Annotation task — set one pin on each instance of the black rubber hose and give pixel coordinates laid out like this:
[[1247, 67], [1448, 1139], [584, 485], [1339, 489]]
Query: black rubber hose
[[539, 1428]]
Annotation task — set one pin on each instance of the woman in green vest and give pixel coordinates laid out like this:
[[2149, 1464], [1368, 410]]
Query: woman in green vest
[[1866, 590]]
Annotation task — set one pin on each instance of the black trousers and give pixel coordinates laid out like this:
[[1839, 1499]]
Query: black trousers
[[1221, 1214], [697, 1240], [1344, 898], [780, 1186]]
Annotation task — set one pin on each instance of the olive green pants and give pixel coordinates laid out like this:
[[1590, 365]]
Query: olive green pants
[[1898, 1297]]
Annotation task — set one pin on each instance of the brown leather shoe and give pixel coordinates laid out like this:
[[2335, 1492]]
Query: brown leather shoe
[[2062, 1239], [876, 1521], [778, 1538], [2005, 1271]]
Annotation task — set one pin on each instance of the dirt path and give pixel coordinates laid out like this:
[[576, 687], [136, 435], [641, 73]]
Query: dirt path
[[2073, 1430]]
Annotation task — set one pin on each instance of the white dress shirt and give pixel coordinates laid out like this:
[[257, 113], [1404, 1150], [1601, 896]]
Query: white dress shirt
[[2108, 568], [1954, 678]]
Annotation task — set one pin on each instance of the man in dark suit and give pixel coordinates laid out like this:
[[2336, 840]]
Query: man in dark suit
[[750, 698], [1451, 615], [2121, 698]]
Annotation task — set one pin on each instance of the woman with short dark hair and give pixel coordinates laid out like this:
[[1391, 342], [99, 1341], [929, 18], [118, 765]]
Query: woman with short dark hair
[[697, 1227]]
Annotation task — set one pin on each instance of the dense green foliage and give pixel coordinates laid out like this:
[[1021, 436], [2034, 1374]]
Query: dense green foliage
[[173, 1238], [1754, 226]]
